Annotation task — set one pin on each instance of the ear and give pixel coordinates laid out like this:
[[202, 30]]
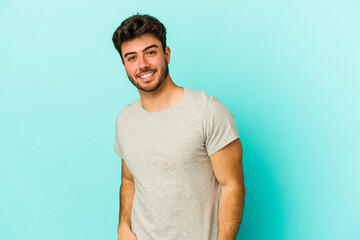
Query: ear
[[167, 54]]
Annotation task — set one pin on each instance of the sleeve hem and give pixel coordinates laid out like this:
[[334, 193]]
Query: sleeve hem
[[116, 150], [223, 144]]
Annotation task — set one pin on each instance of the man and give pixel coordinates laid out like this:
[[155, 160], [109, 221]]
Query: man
[[182, 174]]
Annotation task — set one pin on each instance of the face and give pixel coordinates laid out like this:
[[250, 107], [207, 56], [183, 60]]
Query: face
[[145, 62]]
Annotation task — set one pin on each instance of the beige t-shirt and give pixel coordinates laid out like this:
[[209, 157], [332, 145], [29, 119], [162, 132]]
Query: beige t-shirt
[[176, 193]]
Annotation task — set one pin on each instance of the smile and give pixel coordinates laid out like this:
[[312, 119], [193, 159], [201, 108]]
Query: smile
[[147, 75]]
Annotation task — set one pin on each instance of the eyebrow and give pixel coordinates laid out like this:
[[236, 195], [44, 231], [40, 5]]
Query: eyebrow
[[151, 46]]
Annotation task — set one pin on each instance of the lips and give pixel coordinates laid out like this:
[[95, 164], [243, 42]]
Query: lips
[[146, 76]]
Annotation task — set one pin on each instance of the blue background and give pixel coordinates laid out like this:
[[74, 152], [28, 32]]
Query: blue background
[[289, 72]]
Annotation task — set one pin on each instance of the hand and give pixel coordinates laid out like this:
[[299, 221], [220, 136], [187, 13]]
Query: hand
[[125, 233]]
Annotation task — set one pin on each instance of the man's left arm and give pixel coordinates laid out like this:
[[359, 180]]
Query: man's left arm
[[227, 167]]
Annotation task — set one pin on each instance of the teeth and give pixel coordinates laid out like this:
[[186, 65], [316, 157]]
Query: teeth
[[146, 75]]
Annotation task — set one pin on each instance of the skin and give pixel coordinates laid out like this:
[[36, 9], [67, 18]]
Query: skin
[[227, 167], [127, 191], [145, 55]]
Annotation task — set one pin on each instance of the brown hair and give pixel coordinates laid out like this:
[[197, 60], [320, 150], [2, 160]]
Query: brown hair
[[136, 26]]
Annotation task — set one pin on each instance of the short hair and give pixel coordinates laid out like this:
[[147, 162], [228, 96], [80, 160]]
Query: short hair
[[137, 25]]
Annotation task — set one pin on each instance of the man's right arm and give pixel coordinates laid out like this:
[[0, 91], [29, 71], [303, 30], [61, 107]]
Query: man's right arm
[[127, 191]]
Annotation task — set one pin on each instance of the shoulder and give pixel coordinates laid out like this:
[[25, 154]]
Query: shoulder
[[208, 104], [202, 100], [127, 111]]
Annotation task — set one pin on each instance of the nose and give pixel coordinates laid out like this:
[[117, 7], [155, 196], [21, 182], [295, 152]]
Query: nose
[[143, 63]]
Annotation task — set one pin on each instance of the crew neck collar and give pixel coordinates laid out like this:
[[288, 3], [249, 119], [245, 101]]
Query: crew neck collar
[[169, 109]]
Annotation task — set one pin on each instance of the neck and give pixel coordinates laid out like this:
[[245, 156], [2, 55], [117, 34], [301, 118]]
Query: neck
[[167, 95]]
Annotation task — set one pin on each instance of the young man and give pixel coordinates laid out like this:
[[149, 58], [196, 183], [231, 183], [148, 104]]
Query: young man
[[182, 174]]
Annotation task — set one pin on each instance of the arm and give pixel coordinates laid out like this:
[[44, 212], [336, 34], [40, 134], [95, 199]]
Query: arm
[[127, 191], [227, 166]]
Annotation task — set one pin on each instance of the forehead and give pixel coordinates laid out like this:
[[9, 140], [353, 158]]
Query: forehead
[[140, 43]]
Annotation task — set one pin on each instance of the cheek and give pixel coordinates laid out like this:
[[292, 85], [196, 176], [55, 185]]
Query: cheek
[[160, 62], [130, 70]]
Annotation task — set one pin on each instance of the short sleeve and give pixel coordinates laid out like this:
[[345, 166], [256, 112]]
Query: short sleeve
[[117, 147], [218, 126]]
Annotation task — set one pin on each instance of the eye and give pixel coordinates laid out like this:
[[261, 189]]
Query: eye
[[152, 52], [131, 58]]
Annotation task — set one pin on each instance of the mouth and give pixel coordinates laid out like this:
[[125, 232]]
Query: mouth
[[147, 76]]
